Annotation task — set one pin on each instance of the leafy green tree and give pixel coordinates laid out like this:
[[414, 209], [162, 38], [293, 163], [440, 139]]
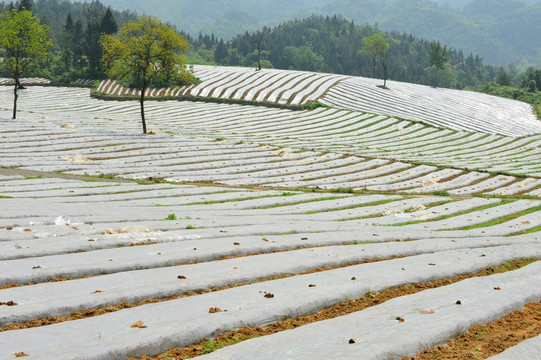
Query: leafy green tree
[[233, 57], [438, 56], [504, 79], [303, 58], [531, 79], [24, 40], [145, 52], [376, 47]]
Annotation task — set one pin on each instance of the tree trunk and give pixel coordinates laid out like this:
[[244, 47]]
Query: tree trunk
[[436, 80], [142, 101], [384, 76], [374, 69], [15, 96]]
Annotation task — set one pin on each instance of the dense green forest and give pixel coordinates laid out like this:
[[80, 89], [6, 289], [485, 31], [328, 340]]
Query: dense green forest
[[75, 30], [332, 44], [501, 31], [54, 14]]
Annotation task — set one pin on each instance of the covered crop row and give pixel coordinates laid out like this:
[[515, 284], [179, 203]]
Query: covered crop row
[[191, 249], [84, 150], [268, 85], [323, 130], [448, 108]]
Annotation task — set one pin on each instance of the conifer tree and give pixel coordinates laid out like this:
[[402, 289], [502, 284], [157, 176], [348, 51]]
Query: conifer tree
[[438, 57]]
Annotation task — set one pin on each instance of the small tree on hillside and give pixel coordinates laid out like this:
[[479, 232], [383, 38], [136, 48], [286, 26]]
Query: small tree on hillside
[[257, 40], [438, 56], [24, 39], [376, 47], [145, 52]]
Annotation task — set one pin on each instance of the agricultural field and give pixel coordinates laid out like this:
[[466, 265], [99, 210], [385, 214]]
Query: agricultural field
[[241, 232], [237, 83]]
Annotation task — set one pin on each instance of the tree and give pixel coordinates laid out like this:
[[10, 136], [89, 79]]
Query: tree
[[24, 5], [66, 42], [108, 23], [97, 23], [220, 53], [438, 56], [303, 58], [503, 79], [257, 40], [24, 39], [92, 35], [531, 76], [376, 47], [145, 52]]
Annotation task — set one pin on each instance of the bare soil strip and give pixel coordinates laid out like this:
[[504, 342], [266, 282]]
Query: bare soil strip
[[125, 305], [347, 307], [484, 341]]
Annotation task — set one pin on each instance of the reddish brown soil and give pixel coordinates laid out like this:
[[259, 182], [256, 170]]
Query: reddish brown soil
[[96, 312], [484, 341], [340, 309], [8, 286]]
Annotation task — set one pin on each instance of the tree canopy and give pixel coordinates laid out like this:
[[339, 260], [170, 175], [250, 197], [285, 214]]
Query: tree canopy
[[331, 44], [438, 57], [375, 46], [501, 31], [143, 53], [24, 39]]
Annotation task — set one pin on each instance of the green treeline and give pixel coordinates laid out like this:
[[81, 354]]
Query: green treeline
[[510, 84], [332, 44], [75, 29], [501, 31]]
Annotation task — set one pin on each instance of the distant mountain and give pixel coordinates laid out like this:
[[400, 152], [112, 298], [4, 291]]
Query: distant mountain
[[502, 31], [460, 4]]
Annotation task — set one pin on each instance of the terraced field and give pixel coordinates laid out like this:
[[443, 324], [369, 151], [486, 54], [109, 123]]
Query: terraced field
[[237, 83], [453, 109], [260, 221], [26, 81]]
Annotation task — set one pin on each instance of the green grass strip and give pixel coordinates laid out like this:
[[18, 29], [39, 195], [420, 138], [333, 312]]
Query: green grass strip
[[527, 231], [448, 216], [502, 219]]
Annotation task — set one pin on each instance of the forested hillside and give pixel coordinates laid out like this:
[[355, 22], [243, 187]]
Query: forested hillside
[[501, 31], [75, 29], [54, 14], [460, 4], [332, 44]]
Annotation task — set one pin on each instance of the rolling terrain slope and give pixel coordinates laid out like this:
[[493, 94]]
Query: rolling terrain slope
[[237, 218]]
